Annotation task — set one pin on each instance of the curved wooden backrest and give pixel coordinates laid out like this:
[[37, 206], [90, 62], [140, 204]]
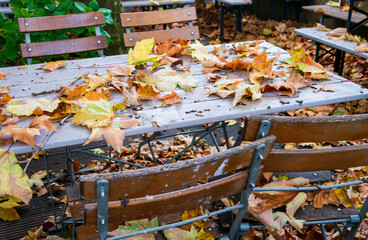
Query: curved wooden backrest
[[171, 177], [39, 24], [150, 18], [49, 23], [310, 129], [313, 129]]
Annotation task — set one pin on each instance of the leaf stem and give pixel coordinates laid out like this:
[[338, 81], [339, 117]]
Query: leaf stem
[[62, 90], [96, 67]]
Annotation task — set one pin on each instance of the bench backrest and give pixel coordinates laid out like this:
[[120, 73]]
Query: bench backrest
[[50, 23], [311, 129], [152, 18], [172, 188]]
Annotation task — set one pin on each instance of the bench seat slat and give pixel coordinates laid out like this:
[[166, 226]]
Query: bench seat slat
[[63, 46]]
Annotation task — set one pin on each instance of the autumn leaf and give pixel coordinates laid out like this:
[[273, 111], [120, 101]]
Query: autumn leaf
[[131, 97], [121, 70], [5, 99], [169, 79], [97, 114], [36, 178], [22, 134], [192, 213], [7, 211], [171, 98], [321, 27], [147, 92], [165, 59], [12, 183], [164, 47], [200, 51], [323, 87], [43, 122], [141, 52], [95, 96], [25, 107], [133, 226], [202, 235], [262, 68], [96, 81], [4, 89], [76, 93], [246, 49], [2, 75], [113, 136], [295, 204], [177, 233], [362, 48], [52, 66]]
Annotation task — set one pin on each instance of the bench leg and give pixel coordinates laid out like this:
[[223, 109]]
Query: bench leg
[[339, 61], [318, 46], [239, 14], [222, 22]]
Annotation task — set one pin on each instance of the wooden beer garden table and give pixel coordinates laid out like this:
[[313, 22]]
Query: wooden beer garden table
[[196, 108]]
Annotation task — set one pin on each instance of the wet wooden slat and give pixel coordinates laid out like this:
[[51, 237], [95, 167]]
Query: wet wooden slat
[[311, 129], [172, 177], [302, 160], [38, 49], [173, 202], [184, 33], [137, 19], [39, 24]]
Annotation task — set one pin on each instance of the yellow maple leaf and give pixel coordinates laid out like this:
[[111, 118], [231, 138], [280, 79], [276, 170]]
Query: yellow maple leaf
[[141, 52], [97, 114]]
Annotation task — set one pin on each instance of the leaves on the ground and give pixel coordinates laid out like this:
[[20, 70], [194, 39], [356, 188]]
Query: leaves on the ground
[[52, 66], [25, 107], [2, 75], [7, 211], [97, 114], [141, 52], [177, 233], [12, 182], [133, 226], [36, 178], [192, 213]]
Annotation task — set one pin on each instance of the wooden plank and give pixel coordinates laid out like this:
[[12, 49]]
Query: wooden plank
[[302, 160], [39, 24], [38, 49], [160, 3], [89, 232], [148, 18], [327, 212], [311, 129], [321, 37], [172, 202], [237, 2], [335, 12], [138, 183], [184, 33]]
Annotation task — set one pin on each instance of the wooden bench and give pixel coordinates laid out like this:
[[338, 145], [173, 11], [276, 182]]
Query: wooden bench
[[167, 189], [38, 24], [315, 129], [320, 37], [163, 17], [146, 3], [5, 8], [353, 22]]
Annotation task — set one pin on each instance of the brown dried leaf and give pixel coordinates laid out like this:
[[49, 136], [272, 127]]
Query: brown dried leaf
[[43, 122], [171, 98], [121, 70], [2, 75], [52, 66], [22, 134]]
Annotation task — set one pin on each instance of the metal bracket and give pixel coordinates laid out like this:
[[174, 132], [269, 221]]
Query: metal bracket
[[263, 129], [102, 207]]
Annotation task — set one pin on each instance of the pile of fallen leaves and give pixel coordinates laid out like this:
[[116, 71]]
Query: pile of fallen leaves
[[280, 34]]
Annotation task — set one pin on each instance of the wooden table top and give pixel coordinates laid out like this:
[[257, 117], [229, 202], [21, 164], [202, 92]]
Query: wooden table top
[[196, 108]]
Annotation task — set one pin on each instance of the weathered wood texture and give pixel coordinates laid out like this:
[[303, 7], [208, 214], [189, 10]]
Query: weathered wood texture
[[152, 18], [137, 19], [173, 188], [313, 129], [39, 24], [185, 33], [166, 178], [310, 129], [38, 49]]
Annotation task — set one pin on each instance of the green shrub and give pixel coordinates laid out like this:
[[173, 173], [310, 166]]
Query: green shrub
[[10, 37]]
